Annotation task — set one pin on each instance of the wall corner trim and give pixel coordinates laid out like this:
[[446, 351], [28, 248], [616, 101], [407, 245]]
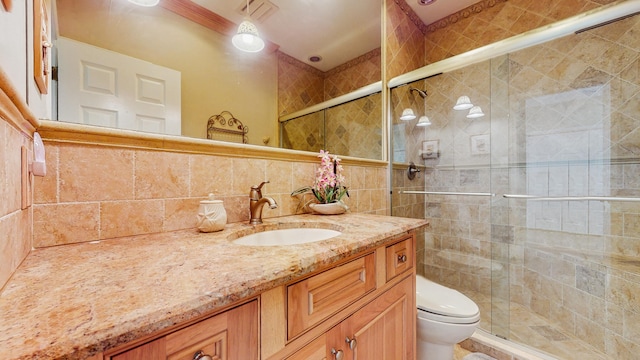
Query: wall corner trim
[[14, 109]]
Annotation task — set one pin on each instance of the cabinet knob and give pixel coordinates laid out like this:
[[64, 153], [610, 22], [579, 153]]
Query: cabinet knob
[[351, 342], [339, 355], [402, 258], [200, 355]]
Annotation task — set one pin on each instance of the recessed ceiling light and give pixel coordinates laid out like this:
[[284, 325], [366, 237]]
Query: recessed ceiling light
[[315, 58], [426, 2]]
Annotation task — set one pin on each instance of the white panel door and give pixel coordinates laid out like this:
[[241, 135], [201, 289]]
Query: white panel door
[[105, 88]]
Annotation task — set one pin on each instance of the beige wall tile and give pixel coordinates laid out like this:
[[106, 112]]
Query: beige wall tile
[[632, 225], [211, 174], [160, 175], [247, 173], [279, 174], [15, 244], [15, 224], [58, 224], [126, 218], [237, 208], [303, 175], [180, 213], [89, 173], [46, 187], [13, 167]]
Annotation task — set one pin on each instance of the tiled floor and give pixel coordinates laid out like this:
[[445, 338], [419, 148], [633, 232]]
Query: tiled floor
[[459, 353], [532, 330]]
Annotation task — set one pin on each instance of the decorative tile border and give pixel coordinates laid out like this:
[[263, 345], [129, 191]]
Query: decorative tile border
[[451, 19], [463, 14]]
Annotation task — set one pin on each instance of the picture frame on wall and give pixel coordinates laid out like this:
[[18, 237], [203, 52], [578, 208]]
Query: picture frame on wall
[[480, 144], [430, 149]]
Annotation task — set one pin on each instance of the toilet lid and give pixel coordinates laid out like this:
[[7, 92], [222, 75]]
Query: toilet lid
[[438, 299]]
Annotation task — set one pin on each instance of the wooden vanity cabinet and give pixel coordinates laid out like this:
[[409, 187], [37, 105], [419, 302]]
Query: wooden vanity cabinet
[[381, 330], [360, 309], [368, 323], [231, 335]]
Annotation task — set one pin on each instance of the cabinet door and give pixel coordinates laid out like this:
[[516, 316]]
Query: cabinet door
[[385, 328], [232, 335]]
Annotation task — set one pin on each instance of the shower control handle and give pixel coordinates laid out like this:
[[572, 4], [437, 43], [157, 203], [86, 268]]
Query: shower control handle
[[351, 342], [402, 258], [412, 171], [339, 354]]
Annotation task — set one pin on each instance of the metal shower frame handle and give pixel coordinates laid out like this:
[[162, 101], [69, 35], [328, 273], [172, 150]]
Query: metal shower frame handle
[[571, 198], [527, 197]]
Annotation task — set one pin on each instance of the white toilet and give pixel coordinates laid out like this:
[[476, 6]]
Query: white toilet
[[445, 317]]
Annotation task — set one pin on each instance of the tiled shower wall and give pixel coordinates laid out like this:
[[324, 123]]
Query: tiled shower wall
[[573, 129], [95, 192], [301, 85], [575, 105], [350, 129]]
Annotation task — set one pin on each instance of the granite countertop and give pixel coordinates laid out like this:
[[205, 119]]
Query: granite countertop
[[73, 301]]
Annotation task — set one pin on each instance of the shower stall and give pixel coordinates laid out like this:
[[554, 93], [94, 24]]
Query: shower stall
[[533, 199]]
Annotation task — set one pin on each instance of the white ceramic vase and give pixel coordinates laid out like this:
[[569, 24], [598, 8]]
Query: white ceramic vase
[[211, 215]]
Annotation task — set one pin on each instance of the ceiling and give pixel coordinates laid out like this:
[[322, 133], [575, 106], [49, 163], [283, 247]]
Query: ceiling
[[335, 30]]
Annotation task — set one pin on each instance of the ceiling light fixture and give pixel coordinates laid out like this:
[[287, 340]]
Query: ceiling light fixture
[[148, 3], [426, 2], [247, 38]]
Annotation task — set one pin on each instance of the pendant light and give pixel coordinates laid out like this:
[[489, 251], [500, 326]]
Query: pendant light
[[145, 2], [247, 38]]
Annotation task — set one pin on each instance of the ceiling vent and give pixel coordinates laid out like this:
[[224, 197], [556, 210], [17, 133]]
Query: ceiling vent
[[259, 10]]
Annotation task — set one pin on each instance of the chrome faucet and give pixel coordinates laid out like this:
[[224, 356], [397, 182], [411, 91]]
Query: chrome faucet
[[256, 203]]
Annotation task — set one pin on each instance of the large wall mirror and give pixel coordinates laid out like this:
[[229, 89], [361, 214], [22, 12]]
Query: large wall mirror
[[172, 67]]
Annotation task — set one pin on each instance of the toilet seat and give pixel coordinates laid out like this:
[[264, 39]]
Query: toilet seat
[[443, 304]]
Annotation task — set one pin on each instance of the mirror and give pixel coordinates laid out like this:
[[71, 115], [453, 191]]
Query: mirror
[[212, 76]]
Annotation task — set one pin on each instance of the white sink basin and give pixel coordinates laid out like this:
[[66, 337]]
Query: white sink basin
[[283, 237]]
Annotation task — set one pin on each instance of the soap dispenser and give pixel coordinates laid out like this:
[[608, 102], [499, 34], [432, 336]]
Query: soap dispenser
[[211, 215]]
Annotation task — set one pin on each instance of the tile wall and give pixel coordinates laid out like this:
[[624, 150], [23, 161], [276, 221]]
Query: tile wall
[[350, 129], [301, 85], [404, 39], [92, 189], [488, 21], [15, 223]]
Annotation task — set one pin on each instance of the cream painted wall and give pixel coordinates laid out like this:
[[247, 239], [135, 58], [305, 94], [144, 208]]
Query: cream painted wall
[[215, 76]]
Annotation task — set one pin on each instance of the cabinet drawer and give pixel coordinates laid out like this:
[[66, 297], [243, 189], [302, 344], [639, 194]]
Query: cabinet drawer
[[314, 299], [399, 258]]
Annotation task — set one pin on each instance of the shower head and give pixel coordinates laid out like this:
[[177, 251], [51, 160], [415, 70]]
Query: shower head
[[422, 93]]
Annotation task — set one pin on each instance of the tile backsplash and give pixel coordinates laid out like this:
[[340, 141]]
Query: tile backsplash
[[15, 229], [96, 192]]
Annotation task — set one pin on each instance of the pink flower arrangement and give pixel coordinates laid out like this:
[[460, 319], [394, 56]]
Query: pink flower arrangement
[[328, 185]]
